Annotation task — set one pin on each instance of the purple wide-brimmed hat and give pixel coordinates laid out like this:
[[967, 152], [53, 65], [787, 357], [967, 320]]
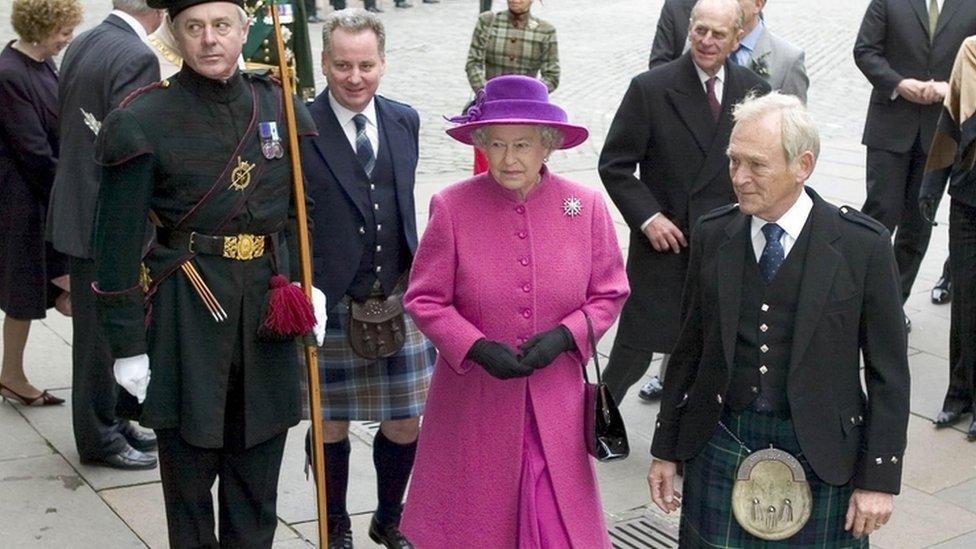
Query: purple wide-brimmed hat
[[515, 99]]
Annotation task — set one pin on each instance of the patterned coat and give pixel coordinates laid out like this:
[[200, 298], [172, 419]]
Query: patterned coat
[[500, 47], [492, 266]]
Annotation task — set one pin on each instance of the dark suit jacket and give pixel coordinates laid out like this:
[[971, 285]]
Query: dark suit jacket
[[672, 32], [894, 44], [849, 306], [100, 68], [337, 183], [665, 129]]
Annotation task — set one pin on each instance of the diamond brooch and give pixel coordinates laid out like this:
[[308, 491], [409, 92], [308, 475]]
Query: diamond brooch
[[572, 206]]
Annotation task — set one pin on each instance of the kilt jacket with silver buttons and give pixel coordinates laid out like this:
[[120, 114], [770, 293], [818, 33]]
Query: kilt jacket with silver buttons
[[848, 308]]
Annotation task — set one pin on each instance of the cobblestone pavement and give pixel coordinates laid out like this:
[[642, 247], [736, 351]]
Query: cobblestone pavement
[[48, 499]]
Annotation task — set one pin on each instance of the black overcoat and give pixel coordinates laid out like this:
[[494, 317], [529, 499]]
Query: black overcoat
[[165, 151], [664, 129], [848, 308]]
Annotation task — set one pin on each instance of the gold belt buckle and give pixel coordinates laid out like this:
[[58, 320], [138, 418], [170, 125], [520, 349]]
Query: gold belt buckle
[[243, 246]]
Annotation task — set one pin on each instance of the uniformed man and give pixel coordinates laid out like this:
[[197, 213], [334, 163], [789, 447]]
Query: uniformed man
[[259, 51], [203, 155]]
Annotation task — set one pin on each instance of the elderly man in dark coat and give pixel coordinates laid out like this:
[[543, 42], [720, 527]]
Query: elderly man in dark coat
[[673, 126], [785, 295]]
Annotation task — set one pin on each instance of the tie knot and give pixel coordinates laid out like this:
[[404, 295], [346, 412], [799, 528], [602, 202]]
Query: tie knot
[[360, 121], [772, 232]]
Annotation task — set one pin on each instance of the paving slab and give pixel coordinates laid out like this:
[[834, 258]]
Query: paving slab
[[46, 504], [963, 495], [47, 358], [930, 378], [18, 439], [360, 531], [922, 520], [936, 458], [965, 541]]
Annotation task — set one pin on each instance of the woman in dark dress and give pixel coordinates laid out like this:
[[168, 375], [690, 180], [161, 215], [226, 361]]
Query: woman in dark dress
[[28, 159]]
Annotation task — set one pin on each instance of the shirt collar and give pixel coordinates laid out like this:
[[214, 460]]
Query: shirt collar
[[703, 76], [749, 41], [132, 22], [345, 115], [792, 221]]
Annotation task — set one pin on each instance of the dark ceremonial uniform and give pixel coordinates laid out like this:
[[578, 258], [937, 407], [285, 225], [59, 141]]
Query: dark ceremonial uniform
[[260, 51], [190, 152]]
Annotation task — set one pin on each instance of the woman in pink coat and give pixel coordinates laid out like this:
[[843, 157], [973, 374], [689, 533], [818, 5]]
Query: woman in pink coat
[[511, 264]]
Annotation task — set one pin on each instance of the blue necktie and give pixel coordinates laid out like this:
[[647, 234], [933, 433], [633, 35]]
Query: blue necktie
[[364, 149], [773, 254]]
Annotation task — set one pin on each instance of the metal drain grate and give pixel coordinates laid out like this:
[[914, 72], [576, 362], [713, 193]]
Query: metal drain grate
[[644, 532]]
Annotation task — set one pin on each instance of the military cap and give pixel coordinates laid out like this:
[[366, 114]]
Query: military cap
[[174, 7]]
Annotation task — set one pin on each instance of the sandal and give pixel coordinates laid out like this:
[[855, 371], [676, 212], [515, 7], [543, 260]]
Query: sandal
[[43, 399]]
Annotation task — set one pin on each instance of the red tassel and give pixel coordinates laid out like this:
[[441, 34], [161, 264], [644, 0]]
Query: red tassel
[[290, 313]]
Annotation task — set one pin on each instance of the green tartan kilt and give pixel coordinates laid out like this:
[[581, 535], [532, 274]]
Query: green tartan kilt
[[706, 510]]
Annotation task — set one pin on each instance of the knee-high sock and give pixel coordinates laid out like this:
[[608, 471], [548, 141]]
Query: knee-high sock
[[393, 464], [336, 483]]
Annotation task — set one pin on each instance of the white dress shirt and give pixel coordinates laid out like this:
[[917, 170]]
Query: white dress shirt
[[345, 117], [792, 223]]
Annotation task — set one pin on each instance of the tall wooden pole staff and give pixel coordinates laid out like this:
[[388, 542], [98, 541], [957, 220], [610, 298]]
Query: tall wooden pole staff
[[305, 259]]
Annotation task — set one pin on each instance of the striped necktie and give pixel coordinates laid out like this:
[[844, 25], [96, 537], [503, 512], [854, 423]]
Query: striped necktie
[[364, 149]]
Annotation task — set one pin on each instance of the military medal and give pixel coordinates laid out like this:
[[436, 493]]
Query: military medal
[[240, 178], [572, 206], [270, 142]]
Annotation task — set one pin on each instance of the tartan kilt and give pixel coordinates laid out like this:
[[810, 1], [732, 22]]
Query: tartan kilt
[[357, 389], [706, 509]]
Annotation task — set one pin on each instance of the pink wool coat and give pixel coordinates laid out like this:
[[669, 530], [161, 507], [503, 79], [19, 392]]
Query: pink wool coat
[[491, 265]]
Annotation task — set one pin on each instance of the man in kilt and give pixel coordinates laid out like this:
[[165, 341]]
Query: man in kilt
[[360, 171], [785, 294]]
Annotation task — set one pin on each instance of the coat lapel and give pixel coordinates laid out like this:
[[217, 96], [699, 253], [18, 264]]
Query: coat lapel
[[921, 8], [715, 159], [948, 10], [337, 153], [819, 267], [397, 137], [690, 102], [763, 49], [729, 265]]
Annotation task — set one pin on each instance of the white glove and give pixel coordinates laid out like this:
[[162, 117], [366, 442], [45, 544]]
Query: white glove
[[318, 305], [132, 373]]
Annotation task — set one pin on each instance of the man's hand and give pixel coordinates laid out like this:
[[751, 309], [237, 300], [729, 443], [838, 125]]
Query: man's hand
[[132, 373], [937, 91], [914, 91], [660, 479], [867, 512], [665, 235]]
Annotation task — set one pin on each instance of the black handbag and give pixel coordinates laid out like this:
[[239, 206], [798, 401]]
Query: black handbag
[[603, 427]]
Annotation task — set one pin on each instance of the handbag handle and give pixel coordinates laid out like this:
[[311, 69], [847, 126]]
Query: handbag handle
[[596, 355]]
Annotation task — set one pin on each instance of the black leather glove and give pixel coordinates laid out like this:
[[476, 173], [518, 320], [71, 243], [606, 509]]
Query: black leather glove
[[927, 205], [497, 359], [542, 348]]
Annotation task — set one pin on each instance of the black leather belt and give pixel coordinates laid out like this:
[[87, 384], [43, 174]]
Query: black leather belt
[[241, 247]]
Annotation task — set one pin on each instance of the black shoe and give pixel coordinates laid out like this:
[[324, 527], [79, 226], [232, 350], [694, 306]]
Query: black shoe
[[127, 458], [432, 1], [139, 439], [948, 418], [388, 535], [942, 291], [403, 4], [652, 390], [374, 9], [908, 325], [342, 540], [971, 433]]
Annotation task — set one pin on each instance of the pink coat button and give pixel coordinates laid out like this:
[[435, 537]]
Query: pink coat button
[[524, 261], [522, 235], [520, 209], [526, 288], [527, 313]]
